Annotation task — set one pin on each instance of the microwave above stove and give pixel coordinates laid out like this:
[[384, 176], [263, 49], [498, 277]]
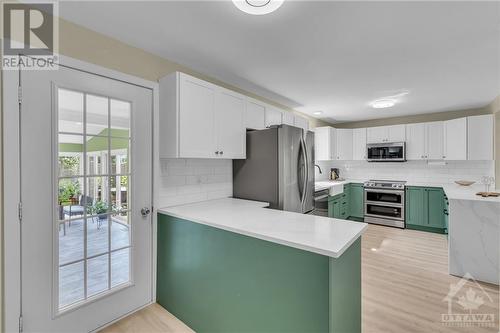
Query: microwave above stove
[[386, 152]]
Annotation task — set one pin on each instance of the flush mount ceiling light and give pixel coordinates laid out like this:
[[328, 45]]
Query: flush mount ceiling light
[[383, 103], [317, 113], [258, 7]]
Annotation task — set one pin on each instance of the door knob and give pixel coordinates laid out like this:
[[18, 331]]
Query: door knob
[[145, 211]]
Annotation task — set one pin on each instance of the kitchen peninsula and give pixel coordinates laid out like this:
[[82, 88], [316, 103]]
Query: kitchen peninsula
[[231, 265]]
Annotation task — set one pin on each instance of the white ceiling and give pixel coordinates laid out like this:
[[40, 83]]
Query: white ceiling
[[328, 55]]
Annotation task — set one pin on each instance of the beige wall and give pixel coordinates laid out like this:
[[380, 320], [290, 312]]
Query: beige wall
[[421, 118]]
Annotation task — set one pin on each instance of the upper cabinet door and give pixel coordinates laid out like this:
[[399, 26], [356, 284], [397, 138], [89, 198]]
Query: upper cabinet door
[[435, 140], [229, 120], [196, 118], [323, 143], [377, 134], [273, 116], [255, 115], [455, 139], [344, 144], [301, 122], [396, 133], [288, 118], [415, 142], [359, 144], [480, 137]]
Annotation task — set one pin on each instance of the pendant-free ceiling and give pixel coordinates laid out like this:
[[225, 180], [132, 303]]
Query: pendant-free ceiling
[[258, 7]]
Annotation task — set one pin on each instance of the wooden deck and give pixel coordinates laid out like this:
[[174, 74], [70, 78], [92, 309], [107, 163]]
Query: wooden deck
[[71, 247]]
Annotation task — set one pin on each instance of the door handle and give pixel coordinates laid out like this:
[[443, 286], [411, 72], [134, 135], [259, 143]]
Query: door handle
[[145, 211]]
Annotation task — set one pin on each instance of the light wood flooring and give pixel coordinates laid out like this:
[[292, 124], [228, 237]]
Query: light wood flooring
[[405, 279]]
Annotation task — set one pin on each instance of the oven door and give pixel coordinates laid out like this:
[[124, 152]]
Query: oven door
[[389, 152], [381, 196], [385, 211]]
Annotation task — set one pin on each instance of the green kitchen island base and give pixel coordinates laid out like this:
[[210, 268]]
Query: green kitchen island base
[[219, 281]]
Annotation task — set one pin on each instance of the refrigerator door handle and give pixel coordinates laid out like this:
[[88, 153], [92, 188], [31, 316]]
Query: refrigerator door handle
[[306, 172]]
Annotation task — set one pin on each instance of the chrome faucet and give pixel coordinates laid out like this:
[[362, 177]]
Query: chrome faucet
[[317, 166]]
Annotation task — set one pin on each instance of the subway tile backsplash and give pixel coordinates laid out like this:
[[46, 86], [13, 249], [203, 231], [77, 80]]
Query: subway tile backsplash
[[414, 171], [191, 180]]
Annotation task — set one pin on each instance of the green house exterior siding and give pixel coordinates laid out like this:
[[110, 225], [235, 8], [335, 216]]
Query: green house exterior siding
[[218, 281], [425, 209]]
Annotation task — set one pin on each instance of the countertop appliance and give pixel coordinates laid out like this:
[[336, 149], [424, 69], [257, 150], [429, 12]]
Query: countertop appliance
[[385, 202], [279, 169], [386, 152]]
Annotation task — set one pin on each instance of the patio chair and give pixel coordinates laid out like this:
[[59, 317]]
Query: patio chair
[[84, 202]]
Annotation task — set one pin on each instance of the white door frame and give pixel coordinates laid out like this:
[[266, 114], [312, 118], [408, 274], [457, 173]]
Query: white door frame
[[11, 250]]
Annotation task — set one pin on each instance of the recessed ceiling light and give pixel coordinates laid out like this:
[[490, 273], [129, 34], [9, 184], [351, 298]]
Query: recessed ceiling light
[[317, 113], [383, 103], [258, 7]]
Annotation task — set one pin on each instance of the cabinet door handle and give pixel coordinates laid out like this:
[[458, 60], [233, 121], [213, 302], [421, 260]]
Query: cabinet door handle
[[221, 152], [217, 153]]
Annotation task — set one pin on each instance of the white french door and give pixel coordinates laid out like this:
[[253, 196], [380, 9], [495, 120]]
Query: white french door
[[86, 175]]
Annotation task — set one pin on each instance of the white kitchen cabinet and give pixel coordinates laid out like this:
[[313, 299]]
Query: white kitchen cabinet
[[343, 144], [301, 122], [480, 137], [434, 140], [324, 143], [415, 141], [255, 114], [380, 134], [274, 116], [396, 133], [455, 139], [288, 118], [359, 144], [229, 124], [377, 134], [424, 141], [199, 119]]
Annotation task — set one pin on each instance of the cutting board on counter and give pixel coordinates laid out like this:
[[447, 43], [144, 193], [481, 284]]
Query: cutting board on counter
[[488, 194]]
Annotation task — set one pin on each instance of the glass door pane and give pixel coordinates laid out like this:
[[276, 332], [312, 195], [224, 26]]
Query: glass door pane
[[93, 196]]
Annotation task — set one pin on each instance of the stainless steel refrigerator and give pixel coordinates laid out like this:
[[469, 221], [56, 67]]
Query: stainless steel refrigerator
[[279, 169]]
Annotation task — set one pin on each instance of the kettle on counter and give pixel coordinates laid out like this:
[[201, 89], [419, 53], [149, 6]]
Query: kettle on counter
[[334, 174]]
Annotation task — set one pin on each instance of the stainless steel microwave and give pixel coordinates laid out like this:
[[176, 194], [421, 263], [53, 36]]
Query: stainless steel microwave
[[386, 152]]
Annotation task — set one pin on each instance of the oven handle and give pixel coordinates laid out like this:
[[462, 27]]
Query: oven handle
[[383, 203], [385, 191], [385, 217], [321, 197]]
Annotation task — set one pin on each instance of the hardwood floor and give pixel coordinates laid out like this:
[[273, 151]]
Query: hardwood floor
[[405, 279]]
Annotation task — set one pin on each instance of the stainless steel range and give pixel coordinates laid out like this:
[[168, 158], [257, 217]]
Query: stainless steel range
[[385, 202]]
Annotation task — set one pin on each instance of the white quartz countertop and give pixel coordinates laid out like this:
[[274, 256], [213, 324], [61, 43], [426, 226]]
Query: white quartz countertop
[[322, 235], [453, 191]]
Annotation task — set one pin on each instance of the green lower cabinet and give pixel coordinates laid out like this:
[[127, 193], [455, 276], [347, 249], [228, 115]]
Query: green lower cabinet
[[348, 204], [425, 209], [218, 281], [356, 205], [334, 204]]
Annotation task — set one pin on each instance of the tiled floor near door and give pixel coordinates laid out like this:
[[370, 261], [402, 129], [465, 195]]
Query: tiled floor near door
[[405, 281]]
